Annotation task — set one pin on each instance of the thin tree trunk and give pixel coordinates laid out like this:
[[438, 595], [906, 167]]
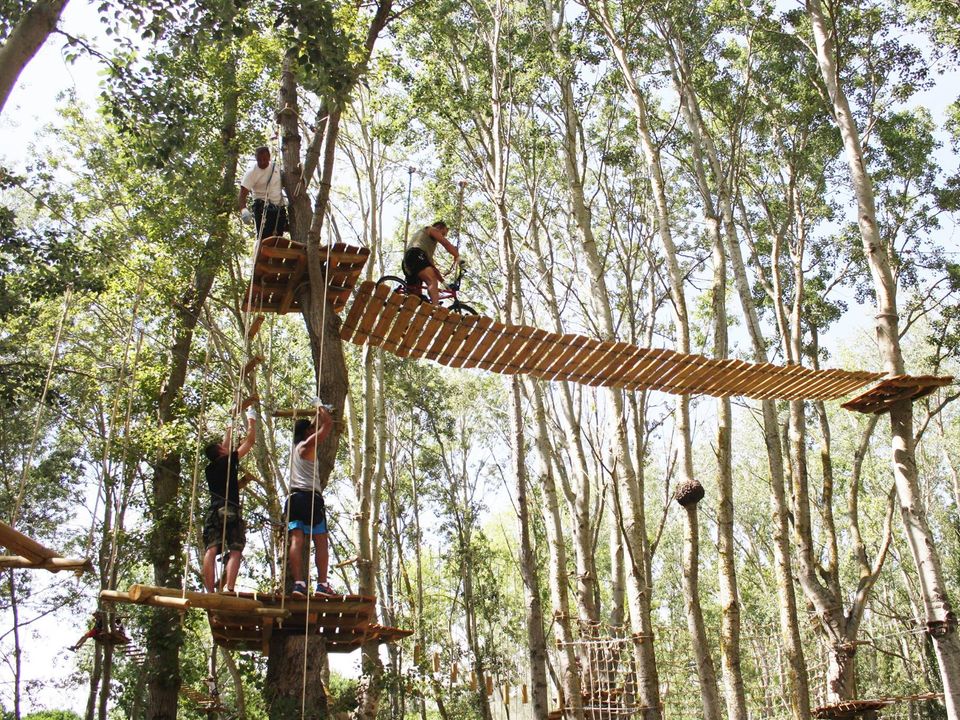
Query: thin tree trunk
[[164, 632], [941, 621], [798, 695], [528, 561], [95, 674], [24, 40], [17, 650], [569, 674], [730, 618], [371, 478]]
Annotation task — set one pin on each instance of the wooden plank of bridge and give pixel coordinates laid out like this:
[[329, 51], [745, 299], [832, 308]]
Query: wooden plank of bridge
[[476, 327], [402, 325], [371, 313], [436, 316], [465, 324], [412, 334]]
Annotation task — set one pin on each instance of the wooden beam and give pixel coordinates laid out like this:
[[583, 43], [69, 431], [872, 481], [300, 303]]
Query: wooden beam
[[293, 253], [22, 545], [255, 326], [251, 365], [265, 634], [294, 412], [54, 564], [174, 603], [207, 601]]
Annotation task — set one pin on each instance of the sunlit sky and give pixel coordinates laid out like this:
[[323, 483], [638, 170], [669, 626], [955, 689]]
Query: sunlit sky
[[34, 104]]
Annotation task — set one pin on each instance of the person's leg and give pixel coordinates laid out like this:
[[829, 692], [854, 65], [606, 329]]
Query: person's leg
[[233, 569], [431, 276], [322, 556], [209, 567], [282, 222], [258, 216], [270, 221], [296, 555]]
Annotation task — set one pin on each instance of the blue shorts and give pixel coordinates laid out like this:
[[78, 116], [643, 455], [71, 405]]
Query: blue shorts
[[300, 510]]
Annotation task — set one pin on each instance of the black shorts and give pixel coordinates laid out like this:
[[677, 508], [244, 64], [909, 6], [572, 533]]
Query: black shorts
[[213, 528], [274, 220], [302, 507], [414, 260]]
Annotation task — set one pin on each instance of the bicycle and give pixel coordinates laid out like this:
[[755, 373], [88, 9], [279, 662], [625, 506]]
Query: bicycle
[[448, 291]]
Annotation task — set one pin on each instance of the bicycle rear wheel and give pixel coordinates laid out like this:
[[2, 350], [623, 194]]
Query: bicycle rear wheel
[[397, 284], [462, 308]]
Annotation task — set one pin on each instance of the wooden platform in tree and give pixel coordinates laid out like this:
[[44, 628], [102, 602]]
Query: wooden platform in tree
[[409, 327], [31, 555], [866, 709], [281, 267], [247, 621], [879, 398], [204, 702]]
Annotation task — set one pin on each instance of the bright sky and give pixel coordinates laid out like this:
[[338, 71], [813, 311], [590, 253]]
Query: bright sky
[[34, 104]]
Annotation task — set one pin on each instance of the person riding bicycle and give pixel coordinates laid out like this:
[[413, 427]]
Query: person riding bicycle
[[418, 265]]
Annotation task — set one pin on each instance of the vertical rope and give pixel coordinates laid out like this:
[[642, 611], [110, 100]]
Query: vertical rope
[[313, 490], [43, 398], [106, 470], [406, 222], [459, 219], [247, 315], [114, 542], [201, 426]]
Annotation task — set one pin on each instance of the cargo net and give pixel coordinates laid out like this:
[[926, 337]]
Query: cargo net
[[607, 664]]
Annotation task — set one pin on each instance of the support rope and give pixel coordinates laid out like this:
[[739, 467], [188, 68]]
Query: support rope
[[43, 398], [313, 490], [106, 469], [124, 459], [201, 426]]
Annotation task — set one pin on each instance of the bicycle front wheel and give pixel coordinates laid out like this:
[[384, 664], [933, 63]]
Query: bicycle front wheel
[[463, 308]]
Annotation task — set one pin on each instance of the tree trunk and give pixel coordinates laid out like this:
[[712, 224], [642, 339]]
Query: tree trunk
[[24, 40], [528, 560], [689, 490], [17, 649], [95, 674], [368, 489], [798, 695], [293, 689], [941, 621], [164, 634], [569, 675]]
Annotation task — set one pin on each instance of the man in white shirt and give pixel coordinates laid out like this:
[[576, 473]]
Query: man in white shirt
[[263, 180]]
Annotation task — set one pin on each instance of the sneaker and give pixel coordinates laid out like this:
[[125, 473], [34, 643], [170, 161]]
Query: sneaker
[[325, 589], [299, 590]]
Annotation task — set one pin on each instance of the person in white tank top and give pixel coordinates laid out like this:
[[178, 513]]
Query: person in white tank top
[[305, 509]]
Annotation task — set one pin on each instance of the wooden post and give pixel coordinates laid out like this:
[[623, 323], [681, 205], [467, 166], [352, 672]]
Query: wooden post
[[473, 681], [453, 673], [489, 685], [523, 693], [23, 545], [436, 662]]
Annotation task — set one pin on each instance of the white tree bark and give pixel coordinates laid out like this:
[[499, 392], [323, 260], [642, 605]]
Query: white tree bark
[[633, 518], [799, 697], [26, 38], [941, 621]]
